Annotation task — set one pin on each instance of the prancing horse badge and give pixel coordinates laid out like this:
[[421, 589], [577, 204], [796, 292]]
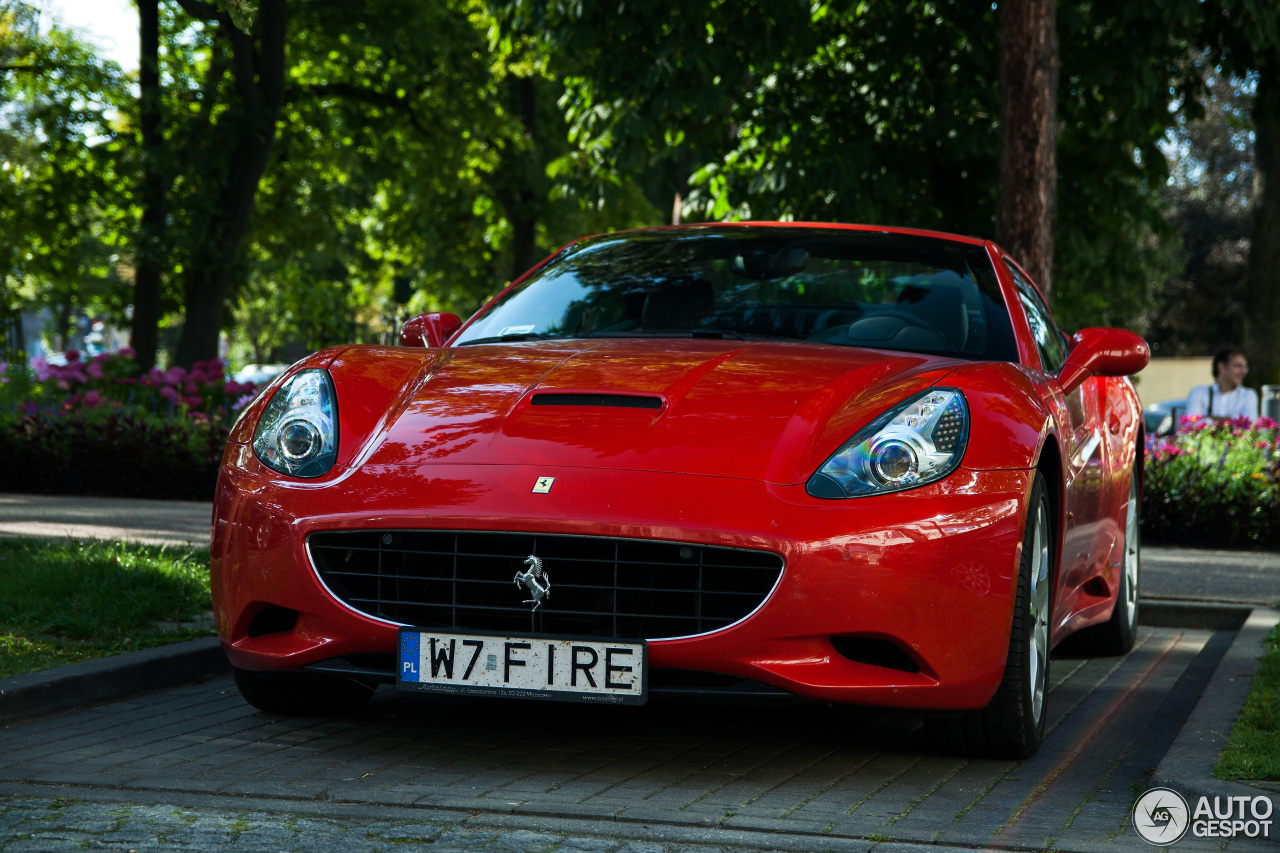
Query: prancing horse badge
[[543, 486]]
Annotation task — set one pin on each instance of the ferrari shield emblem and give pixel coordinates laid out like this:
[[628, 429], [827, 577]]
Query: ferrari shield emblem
[[543, 486]]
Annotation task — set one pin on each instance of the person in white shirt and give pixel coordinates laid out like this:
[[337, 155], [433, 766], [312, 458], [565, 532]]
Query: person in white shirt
[[1226, 397]]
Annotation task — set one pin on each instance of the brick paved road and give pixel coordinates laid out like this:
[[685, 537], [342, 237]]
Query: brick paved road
[[831, 778]]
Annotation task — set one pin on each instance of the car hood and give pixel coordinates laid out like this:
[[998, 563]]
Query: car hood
[[758, 410]]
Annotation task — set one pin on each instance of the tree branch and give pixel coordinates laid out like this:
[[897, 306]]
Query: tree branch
[[365, 94], [202, 11], [200, 125]]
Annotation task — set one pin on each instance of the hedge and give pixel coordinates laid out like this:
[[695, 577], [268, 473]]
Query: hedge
[[103, 427], [1214, 485]]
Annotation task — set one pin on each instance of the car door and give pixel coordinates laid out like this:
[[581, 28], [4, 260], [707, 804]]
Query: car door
[[1084, 535]]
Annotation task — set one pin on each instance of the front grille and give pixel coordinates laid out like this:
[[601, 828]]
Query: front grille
[[599, 587]]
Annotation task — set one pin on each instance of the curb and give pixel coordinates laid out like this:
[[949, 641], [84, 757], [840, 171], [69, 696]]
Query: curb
[[1167, 613], [39, 693], [1188, 765]]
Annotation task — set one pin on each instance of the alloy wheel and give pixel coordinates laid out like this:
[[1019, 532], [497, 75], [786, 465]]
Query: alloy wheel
[[1131, 544], [1039, 639]]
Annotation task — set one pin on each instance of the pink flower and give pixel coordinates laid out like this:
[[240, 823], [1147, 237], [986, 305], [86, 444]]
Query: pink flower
[[169, 394], [191, 388], [72, 355], [126, 352], [193, 400], [175, 375], [40, 365], [95, 369], [243, 401], [93, 399]]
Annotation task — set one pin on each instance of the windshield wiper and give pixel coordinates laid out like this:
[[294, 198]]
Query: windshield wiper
[[720, 334], [713, 334], [507, 339]]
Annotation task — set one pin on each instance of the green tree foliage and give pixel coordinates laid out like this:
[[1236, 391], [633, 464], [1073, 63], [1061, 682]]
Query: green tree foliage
[[875, 111], [328, 164], [1244, 36], [655, 90], [402, 169], [1209, 204], [60, 169]]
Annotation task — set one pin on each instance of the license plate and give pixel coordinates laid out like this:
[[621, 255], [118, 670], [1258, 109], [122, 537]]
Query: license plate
[[524, 666]]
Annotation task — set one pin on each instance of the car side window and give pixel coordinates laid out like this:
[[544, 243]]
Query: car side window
[[1049, 339]]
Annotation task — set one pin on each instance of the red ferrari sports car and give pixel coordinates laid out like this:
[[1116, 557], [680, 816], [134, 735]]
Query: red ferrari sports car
[[753, 461]]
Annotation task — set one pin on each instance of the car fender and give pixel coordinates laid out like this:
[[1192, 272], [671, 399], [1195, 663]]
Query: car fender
[[1009, 422]]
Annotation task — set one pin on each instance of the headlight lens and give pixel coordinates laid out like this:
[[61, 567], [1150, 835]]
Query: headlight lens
[[918, 442], [298, 431]]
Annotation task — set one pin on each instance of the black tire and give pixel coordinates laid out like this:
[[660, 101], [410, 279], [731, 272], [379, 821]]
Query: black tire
[[1012, 724], [1116, 636], [298, 696]]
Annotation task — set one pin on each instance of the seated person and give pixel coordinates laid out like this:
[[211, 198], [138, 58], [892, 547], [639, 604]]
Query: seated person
[[1226, 397]]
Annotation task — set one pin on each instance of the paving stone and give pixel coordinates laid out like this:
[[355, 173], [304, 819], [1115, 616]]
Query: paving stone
[[589, 845], [661, 780]]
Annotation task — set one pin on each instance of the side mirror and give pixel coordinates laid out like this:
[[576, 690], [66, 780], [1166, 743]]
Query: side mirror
[[429, 330], [1102, 352]]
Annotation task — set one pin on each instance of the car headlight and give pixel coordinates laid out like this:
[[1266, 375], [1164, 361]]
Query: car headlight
[[918, 442], [298, 431]]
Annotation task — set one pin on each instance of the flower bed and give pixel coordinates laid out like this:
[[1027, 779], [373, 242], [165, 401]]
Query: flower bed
[[103, 427], [1214, 485]]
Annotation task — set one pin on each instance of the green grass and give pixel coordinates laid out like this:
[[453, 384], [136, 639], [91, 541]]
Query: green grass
[[65, 601], [1253, 752]]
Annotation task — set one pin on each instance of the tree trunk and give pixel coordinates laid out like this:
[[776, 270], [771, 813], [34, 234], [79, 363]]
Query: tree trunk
[[1028, 172], [1262, 284], [521, 202], [259, 67], [149, 249]]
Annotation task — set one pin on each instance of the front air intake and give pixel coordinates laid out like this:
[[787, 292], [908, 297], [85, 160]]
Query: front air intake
[[876, 652], [608, 401]]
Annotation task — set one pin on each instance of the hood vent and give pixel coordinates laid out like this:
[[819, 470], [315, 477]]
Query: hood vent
[[611, 401]]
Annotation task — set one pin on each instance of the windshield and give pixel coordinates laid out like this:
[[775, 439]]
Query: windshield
[[827, 286]]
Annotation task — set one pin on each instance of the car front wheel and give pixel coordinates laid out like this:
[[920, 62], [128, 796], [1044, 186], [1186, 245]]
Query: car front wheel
[[1012, 724]]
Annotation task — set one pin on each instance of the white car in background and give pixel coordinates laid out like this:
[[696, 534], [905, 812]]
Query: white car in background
[[259, 374], [1162, 418]]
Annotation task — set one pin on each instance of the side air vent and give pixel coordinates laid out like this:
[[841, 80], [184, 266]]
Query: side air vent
[[875, 652], [612, 401]]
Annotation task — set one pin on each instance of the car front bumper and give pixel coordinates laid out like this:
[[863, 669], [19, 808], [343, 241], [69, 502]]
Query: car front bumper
[[930, 570]]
